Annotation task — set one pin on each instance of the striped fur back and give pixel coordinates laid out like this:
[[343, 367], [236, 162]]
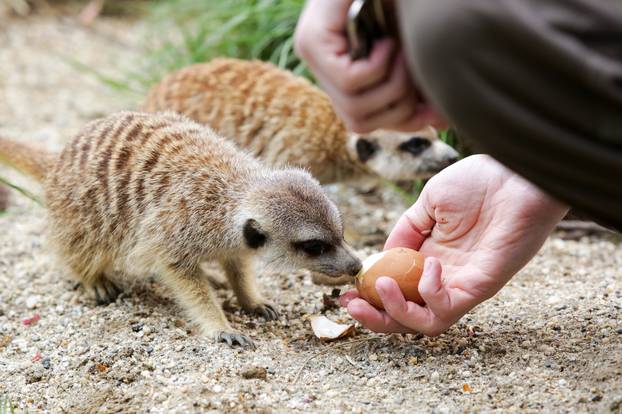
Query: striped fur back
[[277, 116], [132, 170]]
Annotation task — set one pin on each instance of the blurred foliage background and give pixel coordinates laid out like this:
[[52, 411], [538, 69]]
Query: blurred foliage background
[[182, 32], [247, 29]]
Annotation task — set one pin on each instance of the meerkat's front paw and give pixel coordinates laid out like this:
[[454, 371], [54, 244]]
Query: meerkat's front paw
[[266, 310], [105, 291], [235, 338]]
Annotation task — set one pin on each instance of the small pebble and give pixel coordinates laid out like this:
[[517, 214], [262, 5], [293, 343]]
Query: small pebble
[[309, 398], [32, 301], [435, 376], [21, 344], [255, 373]]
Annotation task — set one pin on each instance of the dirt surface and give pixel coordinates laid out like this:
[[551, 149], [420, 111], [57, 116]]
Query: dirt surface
[[551, 341]]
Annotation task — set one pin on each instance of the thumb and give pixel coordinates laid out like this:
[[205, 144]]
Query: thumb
[[347, 297], [431, 287], [413, 227]]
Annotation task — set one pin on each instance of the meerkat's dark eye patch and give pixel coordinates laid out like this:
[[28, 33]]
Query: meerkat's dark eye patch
[[313, 247], [365, 149], [415, 145], [253, 235]]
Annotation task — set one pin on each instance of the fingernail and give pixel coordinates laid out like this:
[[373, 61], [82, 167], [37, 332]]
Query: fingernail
[[380, 288], [354, 305]]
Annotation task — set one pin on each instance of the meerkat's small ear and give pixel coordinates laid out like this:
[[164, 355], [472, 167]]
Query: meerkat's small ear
[[253, 235], [365, 149]]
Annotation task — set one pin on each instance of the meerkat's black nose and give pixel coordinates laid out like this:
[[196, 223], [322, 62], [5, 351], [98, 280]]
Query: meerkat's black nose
[[354, 268], [453, 159]]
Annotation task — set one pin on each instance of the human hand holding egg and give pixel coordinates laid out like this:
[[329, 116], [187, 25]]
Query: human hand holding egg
[[483, 223]]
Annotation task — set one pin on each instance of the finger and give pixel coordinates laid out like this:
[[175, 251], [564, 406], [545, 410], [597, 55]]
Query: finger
[[431, 287], [364, 73], [394, 114], [447, 304], [321, 54], [408, 314], [347, 297], [378, 98], [321, 25], [338, 71], [374, 319], [413, 227]]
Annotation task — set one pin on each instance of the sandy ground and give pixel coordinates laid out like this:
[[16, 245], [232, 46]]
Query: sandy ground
[[551, 341]]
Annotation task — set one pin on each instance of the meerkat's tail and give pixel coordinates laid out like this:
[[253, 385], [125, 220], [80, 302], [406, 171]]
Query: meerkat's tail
[[26, 159]]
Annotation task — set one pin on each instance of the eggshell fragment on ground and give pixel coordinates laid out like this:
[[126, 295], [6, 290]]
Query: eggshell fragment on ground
[[327, 330]]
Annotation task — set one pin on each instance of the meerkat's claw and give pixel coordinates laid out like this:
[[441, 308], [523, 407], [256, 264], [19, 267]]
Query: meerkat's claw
[[105, 291], [267, 311], [234, 338]]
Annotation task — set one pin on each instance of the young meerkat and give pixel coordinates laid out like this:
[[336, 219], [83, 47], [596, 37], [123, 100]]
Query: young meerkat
[[159, 194], [285, 120]]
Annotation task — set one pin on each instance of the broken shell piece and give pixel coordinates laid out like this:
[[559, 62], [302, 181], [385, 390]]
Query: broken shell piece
[[327, 330]]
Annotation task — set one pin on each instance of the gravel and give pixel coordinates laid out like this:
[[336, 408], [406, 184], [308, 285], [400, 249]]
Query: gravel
[[549, 342]]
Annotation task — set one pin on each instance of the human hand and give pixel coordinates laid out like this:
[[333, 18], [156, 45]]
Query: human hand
[[371, 93], [483, 223]]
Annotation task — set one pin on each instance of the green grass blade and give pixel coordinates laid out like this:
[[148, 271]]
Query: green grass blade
[[23, 191], [111, 82], [183, 32]]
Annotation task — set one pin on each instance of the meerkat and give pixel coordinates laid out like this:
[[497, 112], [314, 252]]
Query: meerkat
[[285, 120], [159, 194]]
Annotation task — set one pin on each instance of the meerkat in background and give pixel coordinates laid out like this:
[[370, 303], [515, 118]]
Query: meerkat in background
[[285, 120], [159, 194]]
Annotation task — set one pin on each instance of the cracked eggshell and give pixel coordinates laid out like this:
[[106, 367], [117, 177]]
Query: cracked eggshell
[[403, 265], [327, 330]]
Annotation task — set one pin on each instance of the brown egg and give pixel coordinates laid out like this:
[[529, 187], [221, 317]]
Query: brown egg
[[402, 264]]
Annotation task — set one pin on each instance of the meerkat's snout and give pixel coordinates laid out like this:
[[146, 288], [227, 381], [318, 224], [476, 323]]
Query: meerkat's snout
[[296, 225], [399, 156], [352, 264], [330, 259], [354, 267]]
